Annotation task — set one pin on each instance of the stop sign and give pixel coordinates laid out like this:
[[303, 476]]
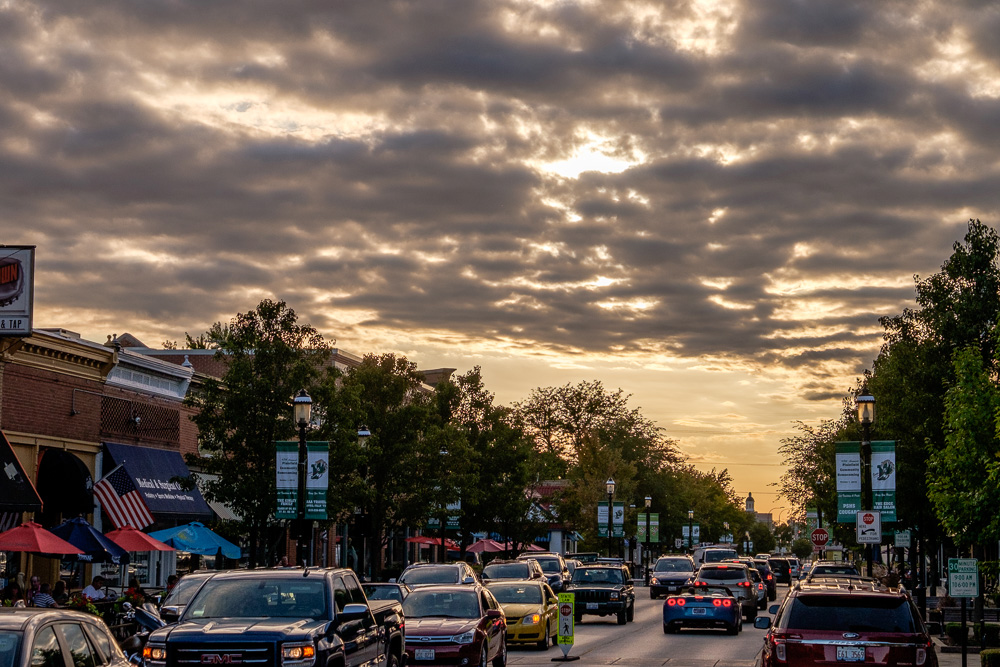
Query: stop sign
[[868, 518], [820, 536]]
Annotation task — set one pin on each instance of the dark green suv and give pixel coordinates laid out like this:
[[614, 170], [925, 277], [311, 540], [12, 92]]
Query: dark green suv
[[603, 590]]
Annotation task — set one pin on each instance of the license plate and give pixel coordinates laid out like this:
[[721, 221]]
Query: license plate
[[699, 611], [850, 654], [423, 654], [591, 605]]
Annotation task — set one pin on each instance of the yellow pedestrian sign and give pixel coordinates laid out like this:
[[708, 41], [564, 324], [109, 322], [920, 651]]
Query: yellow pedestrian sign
[[567, 626]]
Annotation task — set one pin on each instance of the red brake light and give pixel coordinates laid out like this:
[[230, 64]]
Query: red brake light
[[671, 602], [680, 602], [727, 603], [717, 602], [769, 577]]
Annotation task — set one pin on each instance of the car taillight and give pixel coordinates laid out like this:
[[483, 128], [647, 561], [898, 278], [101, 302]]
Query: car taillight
[[727, 603], [680, 602], [922, 655], [675, 602], [770, 577], [779, 650], [760, 587]]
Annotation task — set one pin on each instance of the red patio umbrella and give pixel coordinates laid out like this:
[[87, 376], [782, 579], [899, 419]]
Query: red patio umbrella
[[487, 546], [30, 537], [432, 541], [131, 539]]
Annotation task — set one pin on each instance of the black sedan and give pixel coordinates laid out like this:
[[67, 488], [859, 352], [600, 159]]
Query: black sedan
[[56, 638]]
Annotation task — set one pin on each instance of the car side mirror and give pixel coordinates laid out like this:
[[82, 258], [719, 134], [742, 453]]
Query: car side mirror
[[762, 622], [494, 613]]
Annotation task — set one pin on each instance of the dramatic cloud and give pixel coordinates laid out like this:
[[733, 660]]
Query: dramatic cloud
[[717, 194]]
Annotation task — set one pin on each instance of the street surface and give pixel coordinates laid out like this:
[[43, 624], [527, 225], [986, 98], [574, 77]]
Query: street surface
[[641, 643]]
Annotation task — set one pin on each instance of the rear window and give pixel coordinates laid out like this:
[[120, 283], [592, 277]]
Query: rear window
[[849, 613], [550, 566], [723, 574], [717, 555], [507, 571], [430, 575]]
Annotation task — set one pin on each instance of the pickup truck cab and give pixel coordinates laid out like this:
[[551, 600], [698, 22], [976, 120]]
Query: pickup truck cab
[[286, 617]]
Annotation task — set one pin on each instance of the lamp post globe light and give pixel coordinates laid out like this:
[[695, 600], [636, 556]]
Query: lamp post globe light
[[865, 404], [302, 411], [609, 486]]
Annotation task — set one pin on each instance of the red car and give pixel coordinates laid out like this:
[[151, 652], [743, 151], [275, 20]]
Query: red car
[[454, 625], [855, 621]]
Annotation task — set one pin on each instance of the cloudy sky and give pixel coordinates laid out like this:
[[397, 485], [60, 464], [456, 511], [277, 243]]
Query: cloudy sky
[[707, 204]]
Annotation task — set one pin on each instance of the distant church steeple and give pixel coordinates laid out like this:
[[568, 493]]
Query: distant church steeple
[[750, 508]]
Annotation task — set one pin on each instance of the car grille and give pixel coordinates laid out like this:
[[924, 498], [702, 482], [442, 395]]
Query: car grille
[[258, 655], [416, 641], [593, 596]]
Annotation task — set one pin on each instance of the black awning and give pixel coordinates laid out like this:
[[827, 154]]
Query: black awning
[[17, 493], [152, 470]]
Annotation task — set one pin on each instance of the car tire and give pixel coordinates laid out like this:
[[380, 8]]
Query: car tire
[[501, 659], [734, 630], [622, 617], [484, 656], [630, 615], [652, 594], [669, 629], [578, 619]]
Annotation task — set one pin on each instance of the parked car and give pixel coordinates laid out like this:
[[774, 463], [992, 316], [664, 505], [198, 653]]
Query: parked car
[[47, 637], [829, 568], [426, 574], [603, 590], [702, 607], [854, 623], [527, 568], [554, 567], [734, 576], [455, 625], [704, 555], [782, 570], [176, 600], [532, 611], [571, 565], [669, 574], [391, 591], [764, 567]]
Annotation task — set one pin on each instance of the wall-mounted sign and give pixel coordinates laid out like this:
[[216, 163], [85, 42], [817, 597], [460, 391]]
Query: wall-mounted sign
[[17, 295]]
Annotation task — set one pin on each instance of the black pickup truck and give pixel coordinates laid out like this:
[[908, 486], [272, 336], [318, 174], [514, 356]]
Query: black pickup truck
[[287, 617]]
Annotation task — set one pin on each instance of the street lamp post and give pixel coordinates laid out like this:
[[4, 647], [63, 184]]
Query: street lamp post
[[444, 511], [609, 486], [645, 548], [691, 531], [302, 407], [866, 415]]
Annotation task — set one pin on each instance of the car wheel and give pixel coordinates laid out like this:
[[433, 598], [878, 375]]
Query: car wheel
[[393, 660], [578, 619], [652, 594], [669, 628], [622, 617], [484, 656], [501, 659], [734, 630], [630, 615]]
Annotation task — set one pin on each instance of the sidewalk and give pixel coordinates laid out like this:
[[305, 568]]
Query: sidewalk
[[951, 656]]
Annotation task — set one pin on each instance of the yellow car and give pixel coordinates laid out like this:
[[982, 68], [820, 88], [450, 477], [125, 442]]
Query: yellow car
[[532, 611]]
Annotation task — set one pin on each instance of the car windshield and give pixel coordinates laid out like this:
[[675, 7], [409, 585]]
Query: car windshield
[[835, 569], [597, 576], [430, 575], [679, 565], [507, 571], [253, 598], [842, 613], [9, 647], [550, 566], [375, 592], [430, 602], [514, 594]]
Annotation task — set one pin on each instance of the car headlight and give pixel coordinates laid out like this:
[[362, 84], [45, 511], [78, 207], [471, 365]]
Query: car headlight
[[532, 619], [465, 637], [154, 653], [299, 654], [614, 595]]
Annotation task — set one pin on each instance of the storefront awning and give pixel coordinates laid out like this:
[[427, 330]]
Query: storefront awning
[[152, 470], [17, 493]]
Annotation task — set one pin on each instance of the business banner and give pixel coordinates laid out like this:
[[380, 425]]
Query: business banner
[[884, 479], [617, 519], [317, 479], [848, 466], [654, 528], [17, 295], [287, 479]]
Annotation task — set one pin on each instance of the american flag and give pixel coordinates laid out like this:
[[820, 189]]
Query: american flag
[[122, 501]]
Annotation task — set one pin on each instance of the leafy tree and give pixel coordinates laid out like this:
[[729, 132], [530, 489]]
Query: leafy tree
[[402, 474], [762, 538], [802, 548], [959, 474], [269, 357]]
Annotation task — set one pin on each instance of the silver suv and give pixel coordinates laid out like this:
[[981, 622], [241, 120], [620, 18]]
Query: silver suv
[[735, 577], [428, 574]]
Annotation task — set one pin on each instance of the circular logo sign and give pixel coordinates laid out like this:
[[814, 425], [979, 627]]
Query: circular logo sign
[[820, 536]]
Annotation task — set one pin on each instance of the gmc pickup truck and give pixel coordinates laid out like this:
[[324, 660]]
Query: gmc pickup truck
[[287, 617]]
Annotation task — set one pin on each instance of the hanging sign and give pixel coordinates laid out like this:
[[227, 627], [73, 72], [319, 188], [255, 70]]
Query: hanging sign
[[17, 296], [287, 479], [317, 479], [617, 519], [884, 479], [654, 528], [848, 461]]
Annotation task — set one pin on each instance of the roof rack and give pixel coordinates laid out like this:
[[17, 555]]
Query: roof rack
[[843, 582]]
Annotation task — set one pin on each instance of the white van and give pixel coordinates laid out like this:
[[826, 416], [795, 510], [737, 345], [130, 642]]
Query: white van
[[704, 555]]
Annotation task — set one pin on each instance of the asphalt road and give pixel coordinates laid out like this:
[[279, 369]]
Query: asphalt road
[[641, 643]]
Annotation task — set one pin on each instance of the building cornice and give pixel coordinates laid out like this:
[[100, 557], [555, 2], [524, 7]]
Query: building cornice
[[61, 352]]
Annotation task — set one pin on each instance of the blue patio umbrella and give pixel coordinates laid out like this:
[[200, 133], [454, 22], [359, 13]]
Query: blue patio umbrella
[[195, 538], [96, 547]]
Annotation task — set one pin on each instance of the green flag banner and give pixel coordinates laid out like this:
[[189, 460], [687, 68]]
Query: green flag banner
[[287, 479], [884, 479], [617, 519], [317, 479], [848, 466], [654, 528], [287, 473]]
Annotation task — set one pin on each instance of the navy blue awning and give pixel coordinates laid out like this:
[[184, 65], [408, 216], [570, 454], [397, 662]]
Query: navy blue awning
[[152, 470]]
